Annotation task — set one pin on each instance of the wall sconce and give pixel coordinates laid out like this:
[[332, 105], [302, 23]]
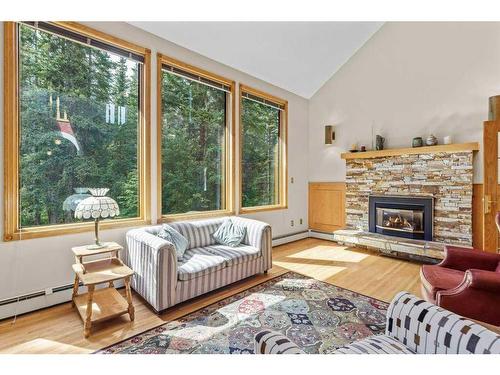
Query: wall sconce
[[329, 134]]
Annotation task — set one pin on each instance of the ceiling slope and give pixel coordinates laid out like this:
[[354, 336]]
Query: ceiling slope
[[296, 56]]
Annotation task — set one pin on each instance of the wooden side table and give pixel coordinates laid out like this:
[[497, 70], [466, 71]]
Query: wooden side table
[[102, 304]]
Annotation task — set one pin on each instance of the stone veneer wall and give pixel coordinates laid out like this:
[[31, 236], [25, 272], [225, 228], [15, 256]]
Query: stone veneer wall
[[445, 176]]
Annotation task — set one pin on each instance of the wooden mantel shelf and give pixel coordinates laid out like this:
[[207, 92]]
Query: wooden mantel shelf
[[459, 147]]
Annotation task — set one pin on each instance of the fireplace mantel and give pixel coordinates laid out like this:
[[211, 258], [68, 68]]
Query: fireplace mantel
[[459, 147]]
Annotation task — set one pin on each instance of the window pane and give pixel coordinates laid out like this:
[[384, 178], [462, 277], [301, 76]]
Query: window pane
[[260, 154], [193, 146], [78, 127]]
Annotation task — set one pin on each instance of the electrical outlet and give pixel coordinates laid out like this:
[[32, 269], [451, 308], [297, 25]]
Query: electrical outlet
[[292, 223], [291, 180], [301, 221]]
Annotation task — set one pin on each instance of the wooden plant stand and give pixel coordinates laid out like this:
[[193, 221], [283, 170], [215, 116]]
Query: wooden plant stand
[[102, 304]]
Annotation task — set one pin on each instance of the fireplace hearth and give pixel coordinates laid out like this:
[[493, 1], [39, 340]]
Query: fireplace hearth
[[401, 216]]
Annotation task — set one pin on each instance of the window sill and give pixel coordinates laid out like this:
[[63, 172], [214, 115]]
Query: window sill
[[249, 210], [64, 229], [194, 216]]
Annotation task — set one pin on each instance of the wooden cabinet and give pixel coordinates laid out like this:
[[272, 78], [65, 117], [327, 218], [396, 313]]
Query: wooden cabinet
[[326, 206]]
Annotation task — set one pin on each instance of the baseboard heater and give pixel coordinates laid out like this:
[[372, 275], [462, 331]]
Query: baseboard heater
[[290, 235], [41, 293]]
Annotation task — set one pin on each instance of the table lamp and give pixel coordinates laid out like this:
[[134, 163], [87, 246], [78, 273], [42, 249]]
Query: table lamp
[[97, 207]]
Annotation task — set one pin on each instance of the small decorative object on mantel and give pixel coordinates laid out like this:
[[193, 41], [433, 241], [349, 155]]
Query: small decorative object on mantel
[[447, 140], [417, 142], [354, 147], [379, 143], [363, 148], [431, 140]]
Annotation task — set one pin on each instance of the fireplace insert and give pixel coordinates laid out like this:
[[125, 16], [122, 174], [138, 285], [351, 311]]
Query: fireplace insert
[[401, 216]]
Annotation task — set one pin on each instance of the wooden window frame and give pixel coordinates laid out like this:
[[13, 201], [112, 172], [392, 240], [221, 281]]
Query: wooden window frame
[[12, 227], [229, 141], [283, 145]]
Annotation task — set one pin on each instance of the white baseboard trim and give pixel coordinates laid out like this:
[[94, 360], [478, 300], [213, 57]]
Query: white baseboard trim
[[321, 235]]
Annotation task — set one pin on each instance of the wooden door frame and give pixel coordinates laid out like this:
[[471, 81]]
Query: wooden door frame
[[490, 185]]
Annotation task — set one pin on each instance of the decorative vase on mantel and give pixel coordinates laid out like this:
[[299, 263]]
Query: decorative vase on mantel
[[431, 140], [417, 142], [379, 142]]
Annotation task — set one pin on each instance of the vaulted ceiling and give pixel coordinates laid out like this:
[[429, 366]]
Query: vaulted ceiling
[[296, 56]]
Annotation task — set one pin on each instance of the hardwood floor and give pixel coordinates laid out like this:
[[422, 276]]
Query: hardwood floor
[[59, 329]]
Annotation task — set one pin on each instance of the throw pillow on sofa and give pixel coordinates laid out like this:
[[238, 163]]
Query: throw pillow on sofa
[[229, 234], [178, 240]]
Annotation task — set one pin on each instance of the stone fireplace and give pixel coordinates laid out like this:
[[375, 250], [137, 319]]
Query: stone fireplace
[[419, 197], [445, 177]]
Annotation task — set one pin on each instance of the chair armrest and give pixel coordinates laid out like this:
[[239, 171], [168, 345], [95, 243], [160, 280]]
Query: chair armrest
[[154, 261], [476, 297], [269, 342], [476, 279], [487, 280], [462, 259], [259, 235]]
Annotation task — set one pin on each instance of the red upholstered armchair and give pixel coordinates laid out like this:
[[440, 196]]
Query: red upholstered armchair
[[466, 282]]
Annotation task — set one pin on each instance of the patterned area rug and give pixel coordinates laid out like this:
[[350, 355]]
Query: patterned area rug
[[317, 316]]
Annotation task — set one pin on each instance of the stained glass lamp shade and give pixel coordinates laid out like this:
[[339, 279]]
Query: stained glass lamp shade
[[97, 207], [72, 201]]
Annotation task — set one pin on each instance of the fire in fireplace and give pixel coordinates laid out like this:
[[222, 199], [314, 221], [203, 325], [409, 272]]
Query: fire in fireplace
[[406, 217]]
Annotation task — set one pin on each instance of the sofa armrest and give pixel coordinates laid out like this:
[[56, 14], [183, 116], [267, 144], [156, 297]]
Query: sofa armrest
[[269, 342], [141, 235], [154, 261], [462, 259], [259, 235]]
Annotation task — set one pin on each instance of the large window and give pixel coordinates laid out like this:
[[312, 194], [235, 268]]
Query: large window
[[195, 120], [263, 151], [75, 119]]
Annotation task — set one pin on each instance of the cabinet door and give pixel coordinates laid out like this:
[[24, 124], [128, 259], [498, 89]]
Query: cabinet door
[[326, 206]]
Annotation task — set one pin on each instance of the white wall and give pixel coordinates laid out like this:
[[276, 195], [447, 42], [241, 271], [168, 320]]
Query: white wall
[[408, 80], [33, 265]]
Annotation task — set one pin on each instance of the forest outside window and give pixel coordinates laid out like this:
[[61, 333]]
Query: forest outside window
[[263, 139], [75, 119], [195, 120]]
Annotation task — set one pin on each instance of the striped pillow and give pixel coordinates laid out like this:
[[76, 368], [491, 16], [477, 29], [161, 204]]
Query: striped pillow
[[229, 234], [178, 240]]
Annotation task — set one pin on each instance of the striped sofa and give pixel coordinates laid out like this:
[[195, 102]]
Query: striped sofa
[[164, 281], [414, 326]]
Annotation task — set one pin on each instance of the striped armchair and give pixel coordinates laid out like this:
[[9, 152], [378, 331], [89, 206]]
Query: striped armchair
[[414, 326], [164, 281]]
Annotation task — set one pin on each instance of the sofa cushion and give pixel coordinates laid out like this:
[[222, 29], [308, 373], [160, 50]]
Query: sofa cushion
[[375, 345], [198, 262], [435, 278], [235, 255]]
